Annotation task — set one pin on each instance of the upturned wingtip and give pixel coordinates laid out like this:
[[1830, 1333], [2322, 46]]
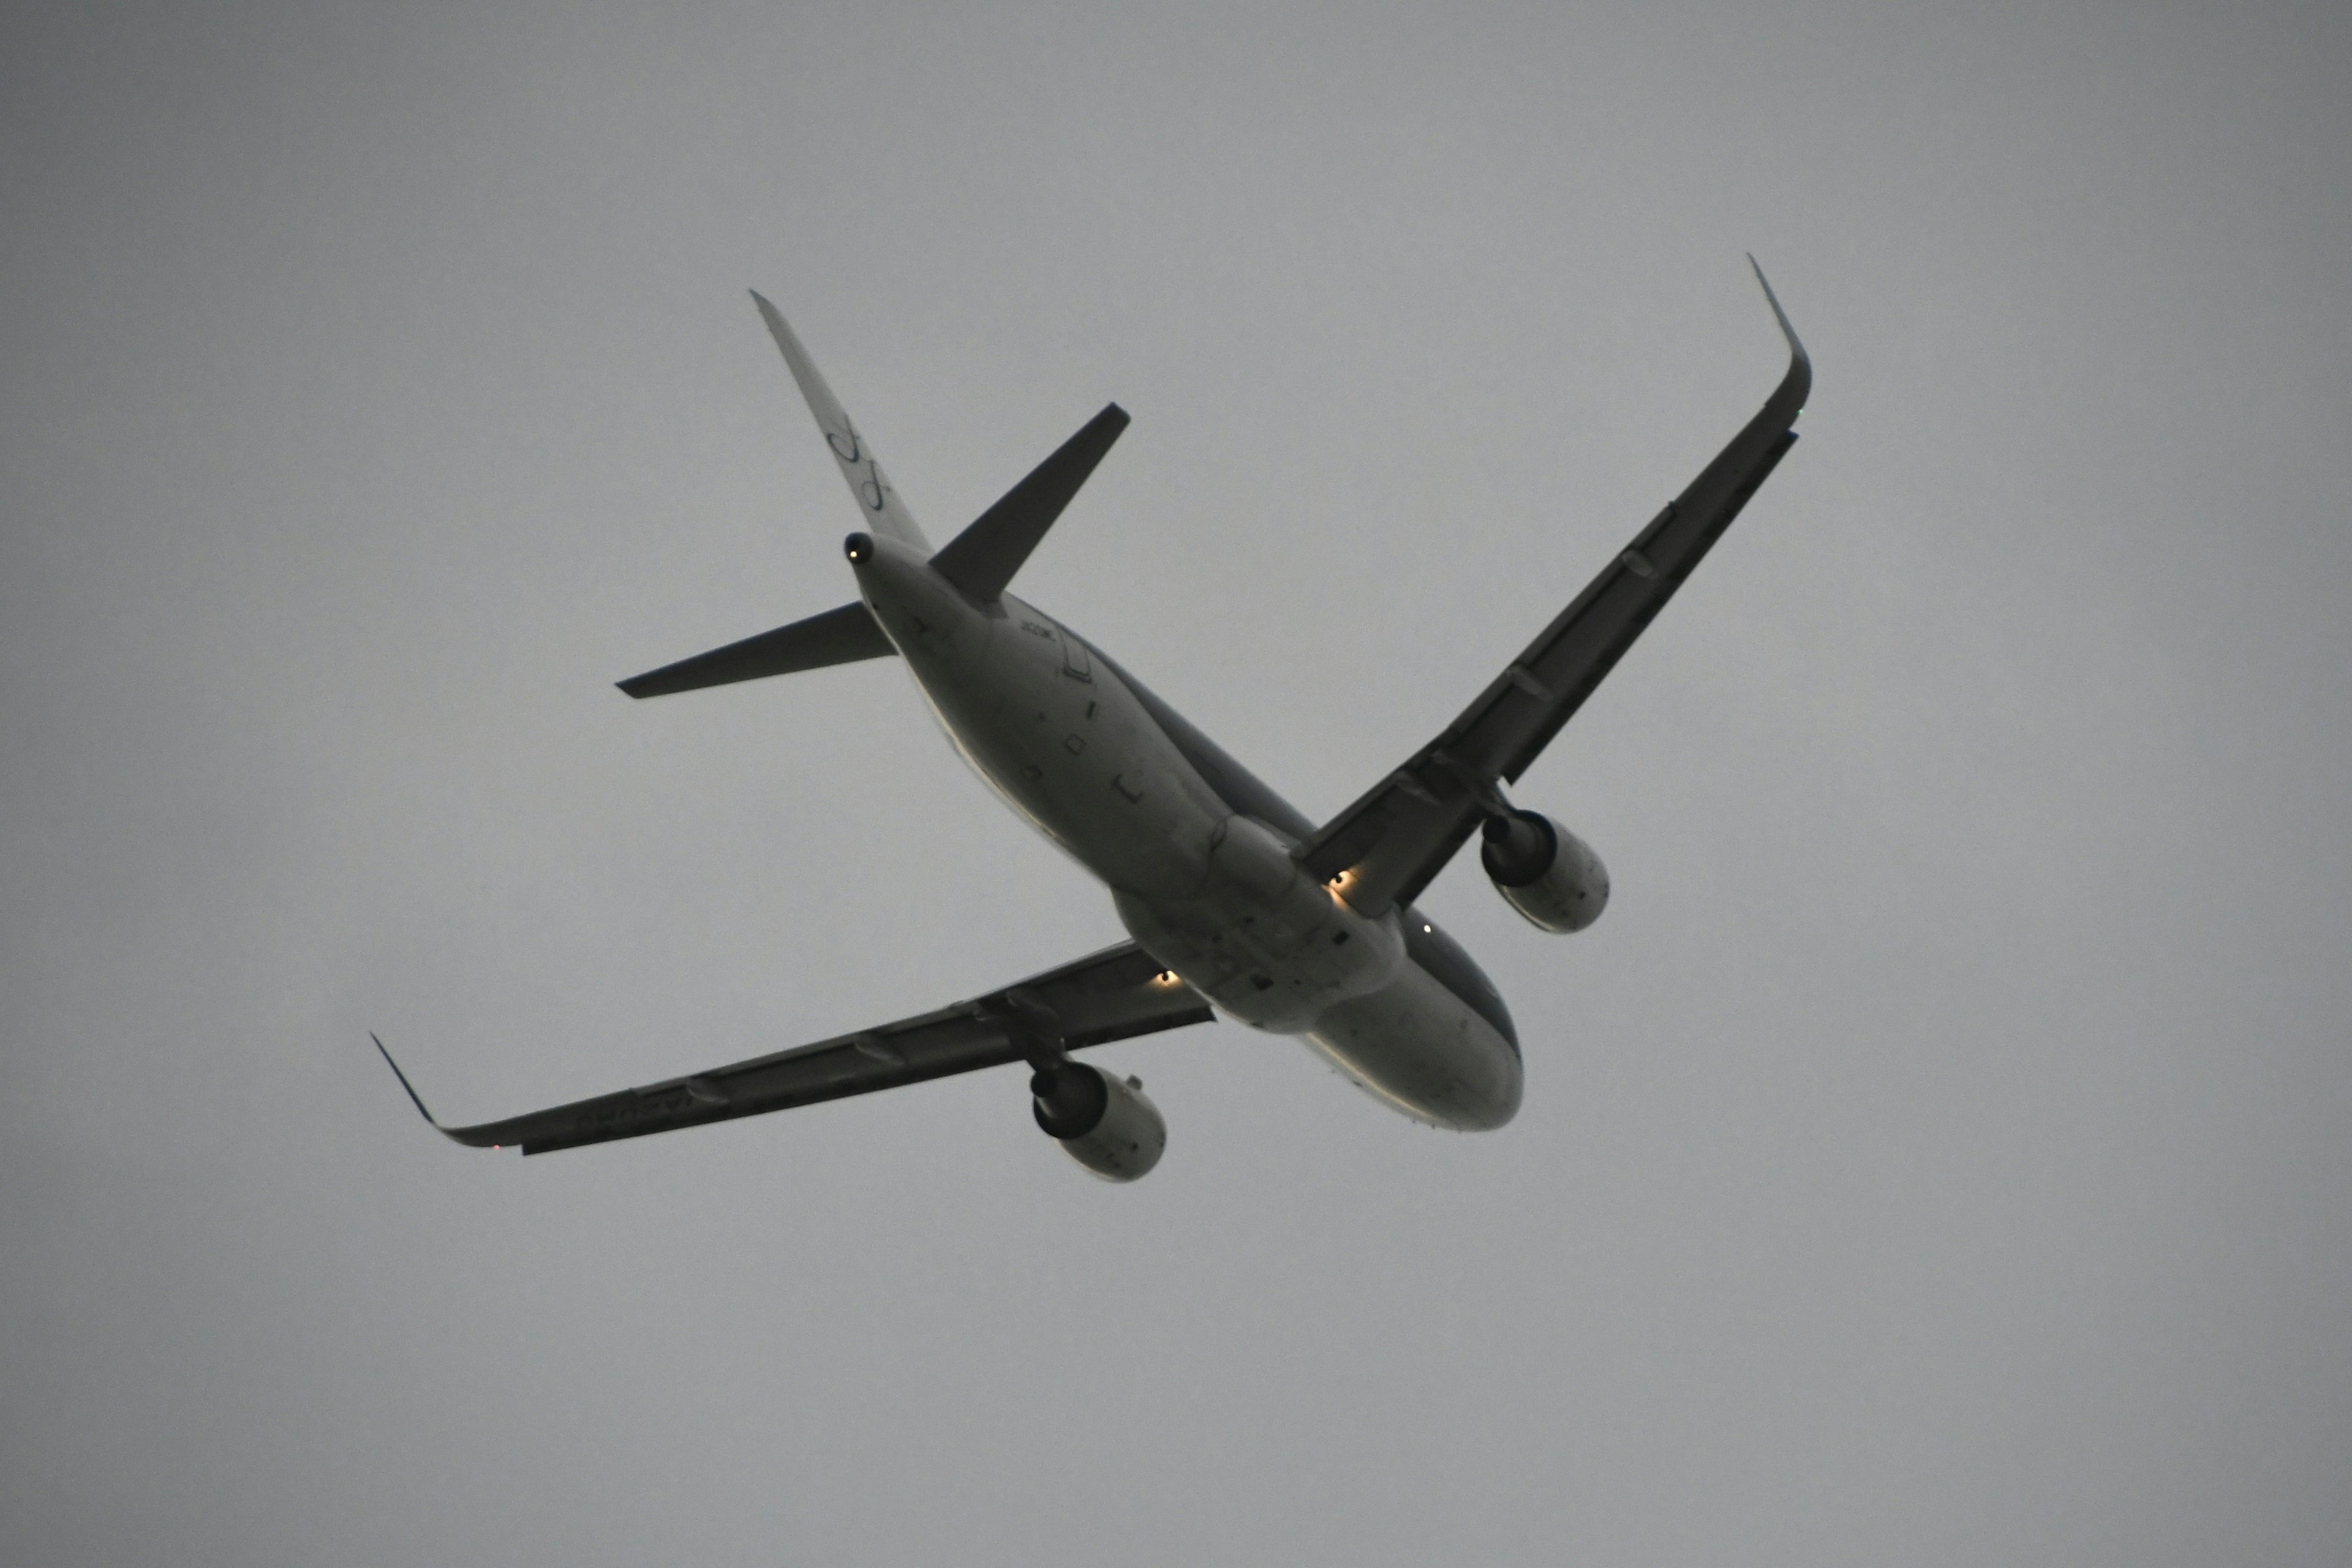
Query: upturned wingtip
[[1796, 348], [413, 1096], [1800, 364]]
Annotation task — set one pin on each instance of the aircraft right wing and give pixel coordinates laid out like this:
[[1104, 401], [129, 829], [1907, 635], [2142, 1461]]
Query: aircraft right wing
[[1114, 995], [1385, 849]]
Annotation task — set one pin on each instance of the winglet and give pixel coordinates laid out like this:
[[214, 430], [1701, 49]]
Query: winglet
[[490, 1135], [1800, 364], [406, 1085]]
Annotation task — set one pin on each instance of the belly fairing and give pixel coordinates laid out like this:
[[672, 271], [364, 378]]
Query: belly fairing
[[1261, 939], [1276, 951], [1421, 1049]]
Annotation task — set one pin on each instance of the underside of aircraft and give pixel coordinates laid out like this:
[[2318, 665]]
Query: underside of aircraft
[[1236, 902]]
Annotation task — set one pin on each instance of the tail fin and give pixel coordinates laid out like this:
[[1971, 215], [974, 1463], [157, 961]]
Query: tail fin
[[885, 514]]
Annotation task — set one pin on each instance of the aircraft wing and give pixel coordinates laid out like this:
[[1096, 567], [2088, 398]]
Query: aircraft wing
[[1113, 994], [1386, 847]]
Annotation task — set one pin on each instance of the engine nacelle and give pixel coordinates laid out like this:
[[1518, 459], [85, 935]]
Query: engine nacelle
[[1104, 1121], [1544, 872]]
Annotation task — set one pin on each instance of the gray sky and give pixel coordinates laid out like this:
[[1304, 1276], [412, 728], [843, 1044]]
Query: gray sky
[[1938, 1155]]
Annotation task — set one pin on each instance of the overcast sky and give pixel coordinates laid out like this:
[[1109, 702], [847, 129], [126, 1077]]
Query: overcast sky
[[1940, 1153]]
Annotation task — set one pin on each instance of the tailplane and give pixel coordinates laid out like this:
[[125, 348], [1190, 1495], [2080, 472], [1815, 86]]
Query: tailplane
[[837, 637], [982, 558], [980, 561]]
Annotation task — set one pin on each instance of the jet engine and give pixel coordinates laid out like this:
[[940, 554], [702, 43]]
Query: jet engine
[[1104, 1121], [1544, 872]]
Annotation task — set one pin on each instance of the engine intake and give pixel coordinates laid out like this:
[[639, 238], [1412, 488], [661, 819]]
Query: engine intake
[[1544, 872], [1105, 1122]]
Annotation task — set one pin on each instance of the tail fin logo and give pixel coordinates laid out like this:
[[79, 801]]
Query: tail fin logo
[[873, 490]]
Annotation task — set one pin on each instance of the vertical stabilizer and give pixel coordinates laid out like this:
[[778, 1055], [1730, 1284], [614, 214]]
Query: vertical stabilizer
[[885, 514]]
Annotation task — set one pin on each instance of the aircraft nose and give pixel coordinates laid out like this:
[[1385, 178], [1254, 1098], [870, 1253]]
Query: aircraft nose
[[858, 547]]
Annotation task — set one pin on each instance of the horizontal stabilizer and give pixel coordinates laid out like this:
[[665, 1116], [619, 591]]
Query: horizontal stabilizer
[[837, 637], [983, 559]]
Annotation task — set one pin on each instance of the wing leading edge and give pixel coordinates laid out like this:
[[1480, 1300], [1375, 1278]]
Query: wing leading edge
[[1114, 995], [1394, 840]]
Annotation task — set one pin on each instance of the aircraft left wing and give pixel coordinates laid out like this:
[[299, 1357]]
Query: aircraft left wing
[[1385, 849], [1114, 995]]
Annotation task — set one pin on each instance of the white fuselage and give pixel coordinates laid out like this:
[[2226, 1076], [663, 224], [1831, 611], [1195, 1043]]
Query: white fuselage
[[1211, 893]]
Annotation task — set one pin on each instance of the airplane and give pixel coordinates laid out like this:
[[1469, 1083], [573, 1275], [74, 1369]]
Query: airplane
[[1236, 902]]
